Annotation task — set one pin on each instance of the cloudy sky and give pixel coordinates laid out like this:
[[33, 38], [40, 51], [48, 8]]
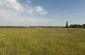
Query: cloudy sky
[[41, 12]]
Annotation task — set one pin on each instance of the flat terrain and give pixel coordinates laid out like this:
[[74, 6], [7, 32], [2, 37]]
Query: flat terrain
[[42, 41]]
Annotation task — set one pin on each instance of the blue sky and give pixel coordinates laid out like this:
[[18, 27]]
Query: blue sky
[[41, 12]]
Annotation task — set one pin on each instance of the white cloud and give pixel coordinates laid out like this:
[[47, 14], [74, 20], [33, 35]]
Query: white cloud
[[13, 12], [15, 5], [11, 4], [40, 10], [36, 10], [12, 18]]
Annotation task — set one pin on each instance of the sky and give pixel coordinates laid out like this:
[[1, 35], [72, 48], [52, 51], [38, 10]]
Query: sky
[[41, 12]]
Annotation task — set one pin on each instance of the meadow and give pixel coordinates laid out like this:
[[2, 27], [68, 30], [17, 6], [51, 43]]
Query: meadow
[[42, 41]]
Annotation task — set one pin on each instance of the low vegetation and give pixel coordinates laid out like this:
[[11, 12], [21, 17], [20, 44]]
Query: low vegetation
[[42, 41]]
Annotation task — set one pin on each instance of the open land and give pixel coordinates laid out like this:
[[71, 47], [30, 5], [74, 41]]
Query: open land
[[42, 41]]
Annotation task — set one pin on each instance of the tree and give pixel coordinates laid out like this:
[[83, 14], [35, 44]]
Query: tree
[[66, 24]]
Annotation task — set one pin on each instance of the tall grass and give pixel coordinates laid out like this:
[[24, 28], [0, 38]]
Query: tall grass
[[42, 41]]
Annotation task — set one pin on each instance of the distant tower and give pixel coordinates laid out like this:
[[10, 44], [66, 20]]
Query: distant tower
[[66, 24]]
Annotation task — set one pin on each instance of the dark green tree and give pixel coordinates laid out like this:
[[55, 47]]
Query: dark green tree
[[66, 24]]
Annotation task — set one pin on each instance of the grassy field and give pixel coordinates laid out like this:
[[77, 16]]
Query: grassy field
[[42, 41]]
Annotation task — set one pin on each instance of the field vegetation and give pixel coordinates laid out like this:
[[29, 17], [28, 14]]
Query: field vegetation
[[42, 41]]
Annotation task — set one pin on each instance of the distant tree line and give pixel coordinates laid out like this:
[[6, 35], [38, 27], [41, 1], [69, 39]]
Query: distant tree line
[[71, 26], [44, 27], [77, 26], [12, 26], [29, 27]]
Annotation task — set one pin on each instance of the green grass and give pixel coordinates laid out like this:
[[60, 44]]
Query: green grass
[[42, 41]]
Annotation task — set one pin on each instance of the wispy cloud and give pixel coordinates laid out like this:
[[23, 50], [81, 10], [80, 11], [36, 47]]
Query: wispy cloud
[[40, 10], [14, 17], [11, 4], [16, 6], [10, 11]]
